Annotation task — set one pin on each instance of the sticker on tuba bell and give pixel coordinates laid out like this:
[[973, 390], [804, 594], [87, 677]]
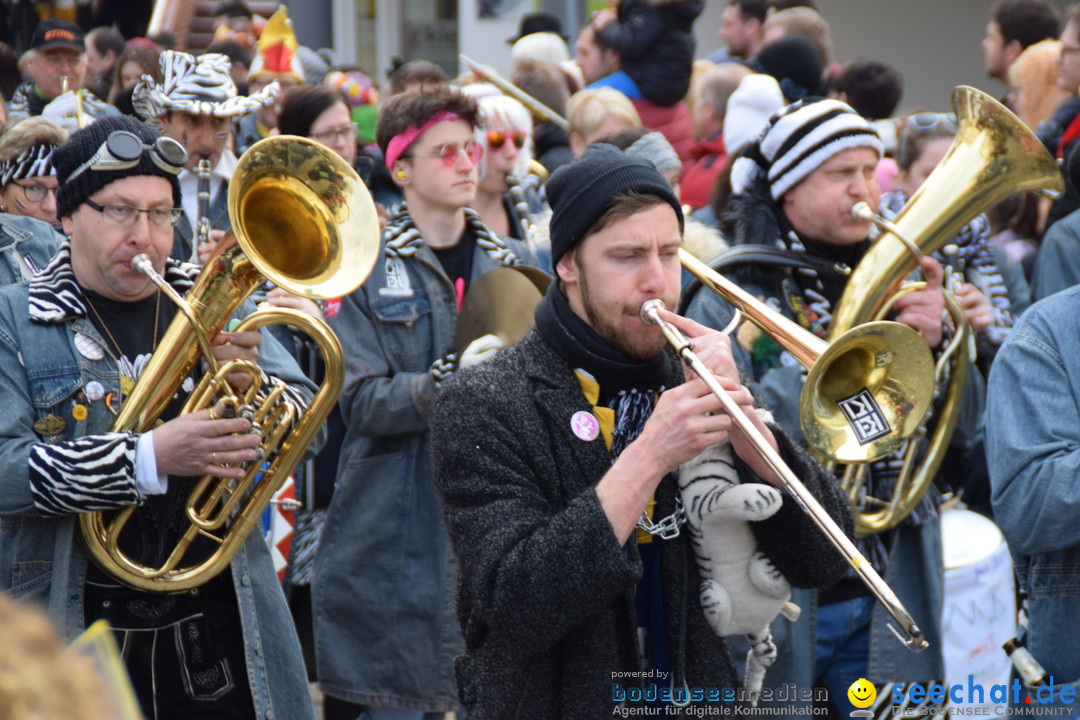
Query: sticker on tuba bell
[[864, 416]]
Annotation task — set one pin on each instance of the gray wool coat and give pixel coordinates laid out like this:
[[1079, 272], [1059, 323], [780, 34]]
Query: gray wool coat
[[546, 592]]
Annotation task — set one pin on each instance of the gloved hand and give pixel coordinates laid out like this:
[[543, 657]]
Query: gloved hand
[[479, 350], [442, 369], [62, 112]]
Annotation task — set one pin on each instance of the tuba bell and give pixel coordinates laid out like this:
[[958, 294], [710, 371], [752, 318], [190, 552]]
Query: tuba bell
[[303, 220], [993, 155]]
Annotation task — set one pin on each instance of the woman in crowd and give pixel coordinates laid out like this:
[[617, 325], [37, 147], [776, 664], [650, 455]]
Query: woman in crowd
[[28, 180], [322, 114], [979, 287], [598, 113], [133, 63], [507, 196]]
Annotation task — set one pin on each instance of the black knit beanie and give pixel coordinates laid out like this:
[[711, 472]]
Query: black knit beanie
[[796, 64], [581, 192], [82, 146]]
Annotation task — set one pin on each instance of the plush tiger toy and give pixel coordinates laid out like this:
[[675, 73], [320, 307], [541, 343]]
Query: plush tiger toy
[[741, 591]]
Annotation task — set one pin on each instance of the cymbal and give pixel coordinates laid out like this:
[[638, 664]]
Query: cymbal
[[500, 303]]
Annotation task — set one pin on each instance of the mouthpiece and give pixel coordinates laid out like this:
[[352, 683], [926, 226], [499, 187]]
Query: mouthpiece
[[862, 211], [141, 263], [649, 311]]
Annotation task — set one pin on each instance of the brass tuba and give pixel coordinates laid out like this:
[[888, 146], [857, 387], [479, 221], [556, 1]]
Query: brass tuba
[[303, 220], [994, 155]]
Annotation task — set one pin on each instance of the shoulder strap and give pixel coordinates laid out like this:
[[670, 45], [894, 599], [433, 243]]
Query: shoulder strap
[[761, 256]]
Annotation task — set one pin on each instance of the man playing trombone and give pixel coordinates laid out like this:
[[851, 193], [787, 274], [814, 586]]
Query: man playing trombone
[[550, 457]]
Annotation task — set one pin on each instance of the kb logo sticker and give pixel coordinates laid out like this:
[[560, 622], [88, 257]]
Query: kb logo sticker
[[864, 416]]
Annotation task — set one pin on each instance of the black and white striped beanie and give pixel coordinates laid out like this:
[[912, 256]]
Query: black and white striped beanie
[[797, 141]]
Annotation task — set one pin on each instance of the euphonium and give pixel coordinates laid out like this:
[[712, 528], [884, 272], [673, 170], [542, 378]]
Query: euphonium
[[994, 155], [303, 220]]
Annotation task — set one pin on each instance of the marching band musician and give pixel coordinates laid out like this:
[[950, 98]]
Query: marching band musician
[[74, 338], [794, 189], [1032, 451], [57, 72], [196, 105], [385, 630], [548, 454]]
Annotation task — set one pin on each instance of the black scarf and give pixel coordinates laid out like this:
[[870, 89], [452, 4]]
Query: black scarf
[[626, 385]]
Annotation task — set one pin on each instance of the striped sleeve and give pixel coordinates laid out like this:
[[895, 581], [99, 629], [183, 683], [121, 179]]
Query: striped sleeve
[[90, 474], [291, 394]]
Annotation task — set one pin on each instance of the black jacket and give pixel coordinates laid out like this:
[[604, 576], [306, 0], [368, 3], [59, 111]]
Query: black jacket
[[655, 40], [546, 593]]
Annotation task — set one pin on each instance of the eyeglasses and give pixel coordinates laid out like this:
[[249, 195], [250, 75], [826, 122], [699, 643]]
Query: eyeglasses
[[450, 152], [125, 215], [345, 132], [123, 150], [1066, 50], [496, 139], [35, 192]]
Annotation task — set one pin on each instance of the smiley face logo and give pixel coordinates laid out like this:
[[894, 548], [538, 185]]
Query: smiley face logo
[[861, 693]]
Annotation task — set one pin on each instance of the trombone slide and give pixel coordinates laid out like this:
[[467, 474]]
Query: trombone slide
[[783, 477]]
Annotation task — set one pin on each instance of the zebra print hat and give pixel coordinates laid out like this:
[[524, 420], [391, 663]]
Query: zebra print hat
[[198, 85]]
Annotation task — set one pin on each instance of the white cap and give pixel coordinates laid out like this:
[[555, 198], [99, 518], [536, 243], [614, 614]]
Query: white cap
[[749, 108]]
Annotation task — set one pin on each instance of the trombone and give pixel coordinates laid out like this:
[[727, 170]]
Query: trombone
[[537, 108], [783, 477]]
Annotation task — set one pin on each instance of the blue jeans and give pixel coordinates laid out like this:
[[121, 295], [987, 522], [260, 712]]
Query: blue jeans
[[842, 648]]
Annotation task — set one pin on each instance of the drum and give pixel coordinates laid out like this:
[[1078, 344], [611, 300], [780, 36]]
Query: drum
[[980, 602]]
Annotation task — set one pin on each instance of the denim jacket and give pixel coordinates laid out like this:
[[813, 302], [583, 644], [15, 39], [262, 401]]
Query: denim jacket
[[41, 557], [26, 246], [386, 632], [1033, 448], [914, 570]]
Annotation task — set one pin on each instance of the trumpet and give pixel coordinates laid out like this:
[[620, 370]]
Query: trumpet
[[784, 478], [80, 117]]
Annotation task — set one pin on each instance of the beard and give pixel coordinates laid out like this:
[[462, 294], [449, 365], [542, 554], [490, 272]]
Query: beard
[[643, 345]]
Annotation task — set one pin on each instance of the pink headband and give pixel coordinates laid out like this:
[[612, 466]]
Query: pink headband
[[400, 143]]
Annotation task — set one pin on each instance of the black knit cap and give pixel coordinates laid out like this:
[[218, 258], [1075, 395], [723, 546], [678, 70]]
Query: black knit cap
[[581, 192], [82, 146]]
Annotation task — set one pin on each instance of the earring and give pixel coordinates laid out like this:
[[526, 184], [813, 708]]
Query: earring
[[400, 174]]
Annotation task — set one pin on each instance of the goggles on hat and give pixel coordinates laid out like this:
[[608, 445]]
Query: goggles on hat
[[123, 149]]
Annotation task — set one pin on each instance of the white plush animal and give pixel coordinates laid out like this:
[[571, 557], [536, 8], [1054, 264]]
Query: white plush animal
[[741, 591]]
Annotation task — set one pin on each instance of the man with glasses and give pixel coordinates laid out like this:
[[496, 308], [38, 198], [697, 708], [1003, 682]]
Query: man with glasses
[[57, 68], [75, 339], [794, 188], [384, 572], [196, 106]]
